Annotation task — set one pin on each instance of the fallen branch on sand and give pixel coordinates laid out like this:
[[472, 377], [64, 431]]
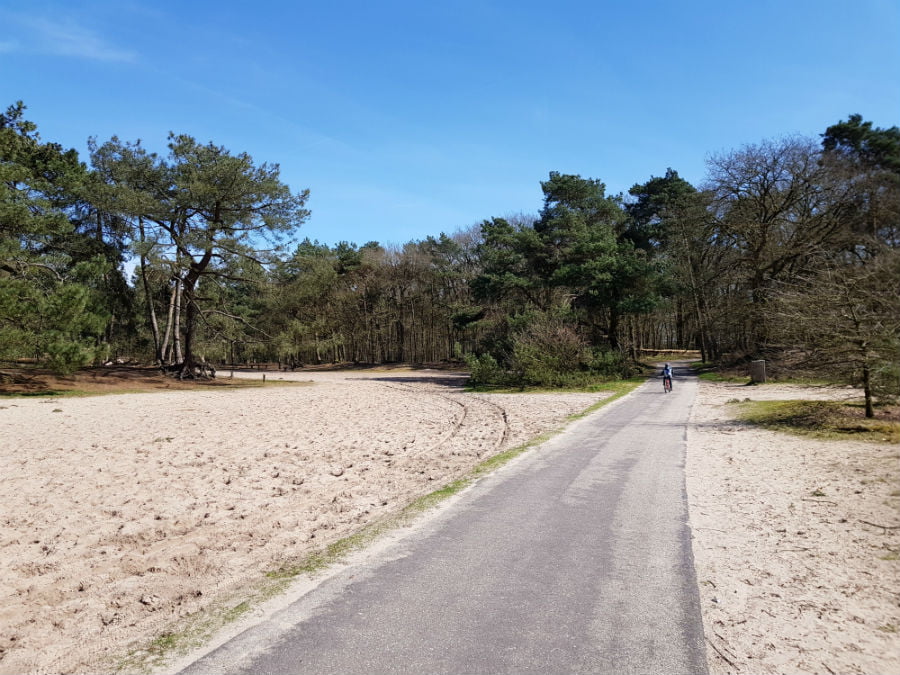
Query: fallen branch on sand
[[719, 652], [885, 527]]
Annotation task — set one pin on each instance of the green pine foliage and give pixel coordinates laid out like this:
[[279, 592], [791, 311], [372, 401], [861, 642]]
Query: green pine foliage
[[52, 304]]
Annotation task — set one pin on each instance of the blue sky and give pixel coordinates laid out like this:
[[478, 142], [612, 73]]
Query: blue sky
[[407, 119]]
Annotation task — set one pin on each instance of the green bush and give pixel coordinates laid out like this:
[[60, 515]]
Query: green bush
[[64, 357], [544, 350], [485, 370], [608, 363], [549, 353]]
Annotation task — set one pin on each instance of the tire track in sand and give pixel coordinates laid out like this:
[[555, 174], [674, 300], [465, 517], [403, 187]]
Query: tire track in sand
[[469, 411]]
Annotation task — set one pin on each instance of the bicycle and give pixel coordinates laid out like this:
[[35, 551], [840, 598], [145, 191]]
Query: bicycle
[[667, 384]]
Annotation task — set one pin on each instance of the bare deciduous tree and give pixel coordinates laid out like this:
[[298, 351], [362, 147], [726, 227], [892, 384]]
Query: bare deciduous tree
[[846, 317]]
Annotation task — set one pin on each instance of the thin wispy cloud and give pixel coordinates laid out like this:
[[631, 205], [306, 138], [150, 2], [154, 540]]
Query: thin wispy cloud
[[308, 138], [61, 37]]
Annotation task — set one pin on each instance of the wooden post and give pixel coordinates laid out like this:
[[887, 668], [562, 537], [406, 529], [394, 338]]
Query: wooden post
[[757, 371], [264, 378]]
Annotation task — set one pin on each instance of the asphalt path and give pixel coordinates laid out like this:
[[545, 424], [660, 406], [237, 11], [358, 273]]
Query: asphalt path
[[574, 558]]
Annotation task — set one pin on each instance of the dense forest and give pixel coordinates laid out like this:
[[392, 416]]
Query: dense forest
[[789, 250]]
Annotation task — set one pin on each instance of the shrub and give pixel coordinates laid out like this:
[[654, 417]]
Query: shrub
[[543, 349], [485, 370], [608, 363], [64, 357], [549, 353]]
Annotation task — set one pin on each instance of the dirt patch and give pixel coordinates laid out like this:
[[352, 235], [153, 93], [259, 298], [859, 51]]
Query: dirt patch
[[796, 541], [16, 382], [123, 513], [888, 413]]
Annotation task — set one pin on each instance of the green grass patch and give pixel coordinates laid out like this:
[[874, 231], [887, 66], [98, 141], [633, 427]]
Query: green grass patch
[[164, 643], [740, 374], [191, 635], [50, 393], [821, 419], [800, 381], [714, 376], [236, 612]]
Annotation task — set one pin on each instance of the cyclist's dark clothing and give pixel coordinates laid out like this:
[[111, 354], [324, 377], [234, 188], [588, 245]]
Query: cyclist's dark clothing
[[667, 377]]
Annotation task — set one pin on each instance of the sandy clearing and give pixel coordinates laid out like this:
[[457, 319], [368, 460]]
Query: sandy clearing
[[790, 579], [123, 513]]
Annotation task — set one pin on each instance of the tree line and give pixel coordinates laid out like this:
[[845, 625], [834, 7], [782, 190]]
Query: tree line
[[788, 250]]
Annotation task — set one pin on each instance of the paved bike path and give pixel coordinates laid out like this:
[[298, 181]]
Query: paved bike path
[[575, 558]]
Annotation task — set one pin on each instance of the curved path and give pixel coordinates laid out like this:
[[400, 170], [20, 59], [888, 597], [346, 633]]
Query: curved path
[[576, 558]]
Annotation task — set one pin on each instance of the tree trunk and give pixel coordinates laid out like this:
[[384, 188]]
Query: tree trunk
[[189, 368], [701, 319], [401, 340], [187, 363], [154, 324], [176, 324], [867, 390], [614, 329], [166, 348]]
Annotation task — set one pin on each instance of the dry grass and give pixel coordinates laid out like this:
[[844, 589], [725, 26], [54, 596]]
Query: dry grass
[[107, 380], [825, 419]]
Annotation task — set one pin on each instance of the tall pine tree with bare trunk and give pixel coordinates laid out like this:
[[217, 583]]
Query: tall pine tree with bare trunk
[[200, 213]]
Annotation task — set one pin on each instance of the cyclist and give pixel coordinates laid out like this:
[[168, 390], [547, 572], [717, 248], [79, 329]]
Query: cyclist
[[667, 378]]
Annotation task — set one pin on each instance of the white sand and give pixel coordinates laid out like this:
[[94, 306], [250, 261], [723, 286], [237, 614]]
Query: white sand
[[123, 513], [791, 579]]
